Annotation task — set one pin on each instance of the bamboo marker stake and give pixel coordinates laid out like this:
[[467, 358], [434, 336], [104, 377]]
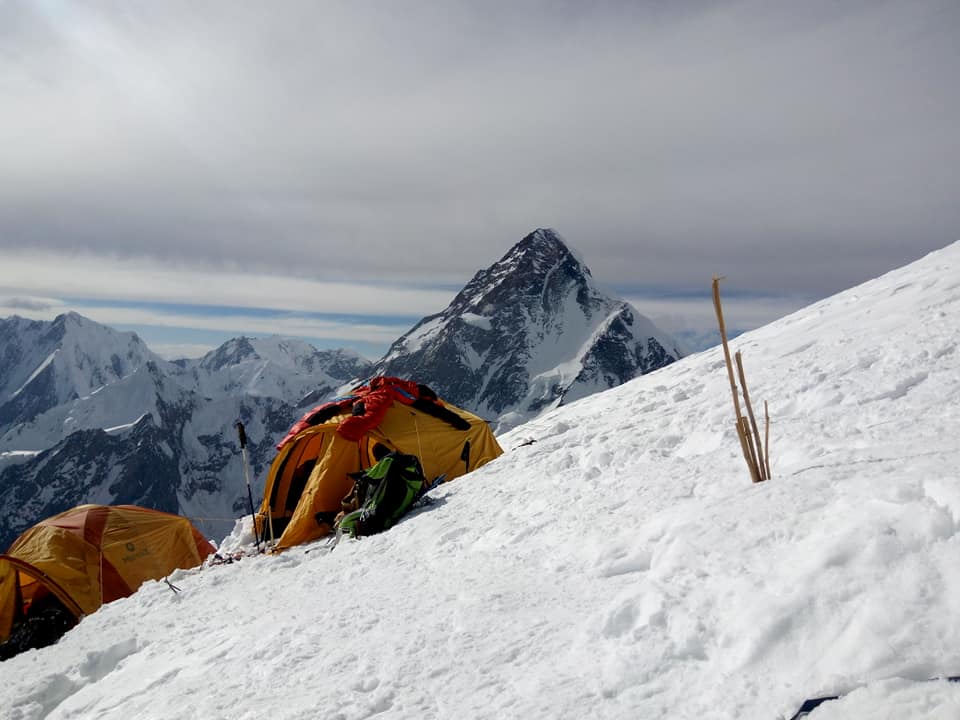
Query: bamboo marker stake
[[747, 430], [761, 468], [766, 431], [746, 449], [726, 348], [756, 474], [741, 435]]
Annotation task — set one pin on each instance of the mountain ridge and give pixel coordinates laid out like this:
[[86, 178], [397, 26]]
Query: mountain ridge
[[531, 331]]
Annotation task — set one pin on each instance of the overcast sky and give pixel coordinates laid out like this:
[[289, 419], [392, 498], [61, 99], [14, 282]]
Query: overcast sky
[[336, 170]]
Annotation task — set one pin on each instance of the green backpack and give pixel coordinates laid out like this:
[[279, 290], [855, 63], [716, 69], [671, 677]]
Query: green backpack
[[383, 495]]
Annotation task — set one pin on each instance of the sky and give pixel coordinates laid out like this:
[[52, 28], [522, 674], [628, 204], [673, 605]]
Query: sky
[[338, 170]]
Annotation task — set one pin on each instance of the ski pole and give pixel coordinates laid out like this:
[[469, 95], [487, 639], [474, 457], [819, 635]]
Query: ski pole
[[246, 474]]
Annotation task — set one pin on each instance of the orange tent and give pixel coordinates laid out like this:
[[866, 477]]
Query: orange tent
[[94, 554], [311, 472]]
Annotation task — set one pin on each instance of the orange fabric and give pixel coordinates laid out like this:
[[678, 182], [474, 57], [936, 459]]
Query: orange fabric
[[32, 582], [66, 557], [84, 521], [143, 546], [375, 406], [132, 545], [8, 597], [376, 398], [395, 383], [328, 483], [402, 427], [285, 481], [337, 407]]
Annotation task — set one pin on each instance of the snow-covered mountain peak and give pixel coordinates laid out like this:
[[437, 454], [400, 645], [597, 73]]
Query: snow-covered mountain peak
[[529, 332], [45, 364], [541, 259], [70, 318], [231, 352], [290, 353], [74, 329], [275, 366], [541, 250]]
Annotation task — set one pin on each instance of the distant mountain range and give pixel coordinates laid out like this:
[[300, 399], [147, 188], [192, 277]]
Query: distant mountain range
[[88, 414]]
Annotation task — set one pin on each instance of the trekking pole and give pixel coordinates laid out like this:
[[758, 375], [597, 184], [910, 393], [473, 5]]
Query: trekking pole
[[246, 474]]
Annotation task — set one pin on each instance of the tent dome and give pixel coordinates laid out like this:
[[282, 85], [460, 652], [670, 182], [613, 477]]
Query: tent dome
[[93, 554]]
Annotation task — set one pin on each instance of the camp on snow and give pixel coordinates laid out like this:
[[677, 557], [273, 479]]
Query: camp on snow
[[67, 566], [93, 554], [322, 453]]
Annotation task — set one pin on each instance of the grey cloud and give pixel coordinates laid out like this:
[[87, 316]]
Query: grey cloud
[[15, 304], [801, 147]]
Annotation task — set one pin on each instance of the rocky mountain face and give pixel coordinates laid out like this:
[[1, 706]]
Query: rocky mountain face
[[531, 332], [88, 414]]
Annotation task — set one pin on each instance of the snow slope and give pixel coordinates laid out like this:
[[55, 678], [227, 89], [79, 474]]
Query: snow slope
[[620, 566]]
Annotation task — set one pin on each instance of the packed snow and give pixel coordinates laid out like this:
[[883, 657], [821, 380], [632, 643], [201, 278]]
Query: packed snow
[[616, 562]]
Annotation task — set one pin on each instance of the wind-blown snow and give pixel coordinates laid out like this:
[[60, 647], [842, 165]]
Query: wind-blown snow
[[480, 321], [125, 426], [33, 375], [620, 565]]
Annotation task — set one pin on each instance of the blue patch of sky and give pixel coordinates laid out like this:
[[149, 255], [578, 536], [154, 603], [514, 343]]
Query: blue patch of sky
[[156, 336], [406, 321]]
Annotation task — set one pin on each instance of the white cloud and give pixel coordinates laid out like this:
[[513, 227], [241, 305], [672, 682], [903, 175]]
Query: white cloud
[[105, 278], [697, 316], [293, 325], [235, 323], [810, 144]]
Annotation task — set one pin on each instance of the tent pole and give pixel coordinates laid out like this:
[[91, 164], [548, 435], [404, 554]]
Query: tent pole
[[416, 429], [246, 474]]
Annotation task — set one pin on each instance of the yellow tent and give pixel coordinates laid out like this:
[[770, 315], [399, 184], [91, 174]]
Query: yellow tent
[[94, 554], [311, 473]]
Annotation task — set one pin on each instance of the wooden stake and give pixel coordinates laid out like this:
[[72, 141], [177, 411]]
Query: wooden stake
[[726, 348], [761, 470], [751, 453], [766, 444], [755, 453], [744, 437]]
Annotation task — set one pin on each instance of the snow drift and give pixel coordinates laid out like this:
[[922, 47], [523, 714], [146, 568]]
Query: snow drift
[[620, 566]]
